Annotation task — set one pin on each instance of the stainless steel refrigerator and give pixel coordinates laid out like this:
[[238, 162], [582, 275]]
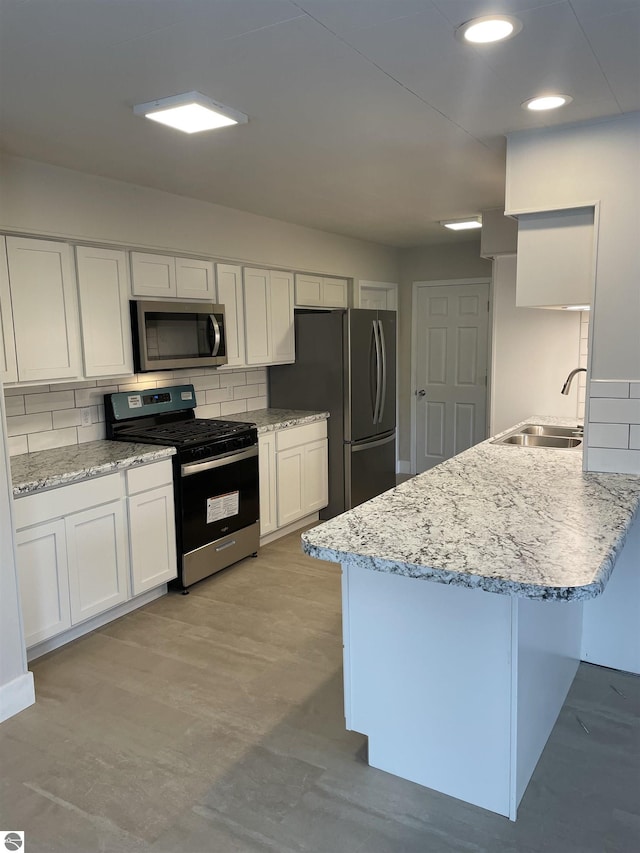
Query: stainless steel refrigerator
[[346, 365]]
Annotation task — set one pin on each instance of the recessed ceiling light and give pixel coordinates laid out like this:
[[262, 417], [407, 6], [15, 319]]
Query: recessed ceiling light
[[463, 224], [547, 102], [488, 29], [190, 112]]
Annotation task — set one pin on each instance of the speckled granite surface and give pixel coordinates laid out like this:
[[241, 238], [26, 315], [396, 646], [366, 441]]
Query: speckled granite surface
[[268, 420], [31, 472], [505, 519]]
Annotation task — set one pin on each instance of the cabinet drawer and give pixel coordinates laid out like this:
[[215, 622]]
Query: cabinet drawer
[[149, 476], [54, 503], [293, 436]]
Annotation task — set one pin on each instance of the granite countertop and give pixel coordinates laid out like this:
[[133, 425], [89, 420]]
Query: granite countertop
[[511, 520], [268, 420], [32, 472]]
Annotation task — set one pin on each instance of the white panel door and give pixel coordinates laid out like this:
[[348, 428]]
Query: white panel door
[[230, 295], [281, 315], [8, 364], [194, 279], [152, 539], [97, 560], [153, 275], [267, 473], [103, 288], [257, 316], [44, 581], [45, 309], [290, 485], [315, 476], [452, 324]]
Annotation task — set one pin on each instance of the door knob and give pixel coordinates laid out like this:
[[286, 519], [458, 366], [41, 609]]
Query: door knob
[[420, 393]]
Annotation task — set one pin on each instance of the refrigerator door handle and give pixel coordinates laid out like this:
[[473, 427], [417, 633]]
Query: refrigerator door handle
[[376, 408], [383, 349], [356, 448]]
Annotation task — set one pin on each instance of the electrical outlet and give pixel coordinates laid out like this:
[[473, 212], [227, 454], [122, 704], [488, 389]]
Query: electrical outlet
[[85, 414]]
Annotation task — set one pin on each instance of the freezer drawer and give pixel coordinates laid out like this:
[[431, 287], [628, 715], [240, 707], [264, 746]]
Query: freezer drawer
[[370, 469]]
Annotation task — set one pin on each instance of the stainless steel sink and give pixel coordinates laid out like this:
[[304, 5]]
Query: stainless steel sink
[[544, 435]]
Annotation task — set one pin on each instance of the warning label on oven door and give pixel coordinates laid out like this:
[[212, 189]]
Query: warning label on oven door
[[222, 506]]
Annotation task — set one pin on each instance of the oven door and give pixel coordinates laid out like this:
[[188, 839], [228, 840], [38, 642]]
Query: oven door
[[169, 335], [218, 497]]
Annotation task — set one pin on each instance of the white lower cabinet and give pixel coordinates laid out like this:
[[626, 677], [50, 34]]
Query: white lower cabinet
[[72, 545], [267, 473]]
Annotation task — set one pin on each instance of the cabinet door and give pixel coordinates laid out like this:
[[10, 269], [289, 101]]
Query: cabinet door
[[334, 293], [267, 462], [290, 487], [97, 560], [230, 295], [257, 316], [152, 539], [281, 317], [103, 287], [8, 365], [194, 279], [315, 479], [153, 275], [45, 309], [44, 581], [309, 290]]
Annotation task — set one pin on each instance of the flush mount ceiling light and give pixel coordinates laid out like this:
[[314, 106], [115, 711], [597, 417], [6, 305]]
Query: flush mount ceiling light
[[190, 112], [547, 102], [463, 224], [488, 29]]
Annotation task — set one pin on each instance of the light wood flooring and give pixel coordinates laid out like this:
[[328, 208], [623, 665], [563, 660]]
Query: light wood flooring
[[212, 723]]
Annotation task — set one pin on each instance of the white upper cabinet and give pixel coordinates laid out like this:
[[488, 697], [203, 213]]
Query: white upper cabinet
[[103, 289], [268, 310], [45, 309], [229, 278], [168, 277], [8, 364], [316, 291], [554, 265]]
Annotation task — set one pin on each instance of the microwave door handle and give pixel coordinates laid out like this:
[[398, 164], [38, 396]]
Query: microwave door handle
[[216, 334], [383, 349]]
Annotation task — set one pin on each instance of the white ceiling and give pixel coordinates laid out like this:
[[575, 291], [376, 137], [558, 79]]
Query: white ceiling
[[367, 117]]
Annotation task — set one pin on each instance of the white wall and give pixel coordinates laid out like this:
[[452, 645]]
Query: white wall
[[41, 199], [533, 351]]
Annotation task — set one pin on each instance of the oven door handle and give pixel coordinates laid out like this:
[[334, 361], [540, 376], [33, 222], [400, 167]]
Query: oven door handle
[[216, 334], [218, 462]]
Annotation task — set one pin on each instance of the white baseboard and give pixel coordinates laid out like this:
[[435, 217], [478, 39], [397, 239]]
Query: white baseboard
[[16, 695], [403, 467]]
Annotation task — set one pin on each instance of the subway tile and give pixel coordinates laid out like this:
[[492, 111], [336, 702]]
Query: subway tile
[[17, 444], [241, 392], [634, 390], [52, 401], [256, 376], [163, 376], [256, 403], [26, 389], [580, 411], [67, 418], [263, 389], [218, 395], [52, 438], [608, 435], [230, 380], [93, 396], [233, 407], [600, 388], [634, 436], [613, 461], [608, 410], [95, 432], [135, 389], [204, 383], [208, 411], [75, 386], [100, 411], [25, 424], [14, 405]]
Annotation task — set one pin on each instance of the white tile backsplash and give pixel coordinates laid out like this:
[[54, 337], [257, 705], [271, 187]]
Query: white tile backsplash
[[608, 435], [634, 390], [614, 461], [600, 388], [40, 417], [614, 410], [634, 436]]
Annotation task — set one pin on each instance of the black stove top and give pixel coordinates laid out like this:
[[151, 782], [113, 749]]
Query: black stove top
[[186, 432]]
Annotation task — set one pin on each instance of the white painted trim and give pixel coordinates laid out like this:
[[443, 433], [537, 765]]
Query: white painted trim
[[16, 695], [388, 286], [290, 528], [404, 466], [47, 646], [414, 334]]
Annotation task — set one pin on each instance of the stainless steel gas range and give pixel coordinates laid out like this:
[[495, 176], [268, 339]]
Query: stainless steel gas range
[[215, 475]]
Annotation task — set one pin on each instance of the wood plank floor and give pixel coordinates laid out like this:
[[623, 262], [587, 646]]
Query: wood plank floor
[[212, 723]]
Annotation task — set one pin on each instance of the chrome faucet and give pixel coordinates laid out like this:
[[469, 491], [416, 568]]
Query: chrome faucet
[[567, 385]]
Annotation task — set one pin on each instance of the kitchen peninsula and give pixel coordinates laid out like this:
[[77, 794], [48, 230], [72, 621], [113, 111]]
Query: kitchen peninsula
[[458, 682]]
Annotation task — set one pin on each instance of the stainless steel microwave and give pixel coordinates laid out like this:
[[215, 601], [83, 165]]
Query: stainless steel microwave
[[170, 335]]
